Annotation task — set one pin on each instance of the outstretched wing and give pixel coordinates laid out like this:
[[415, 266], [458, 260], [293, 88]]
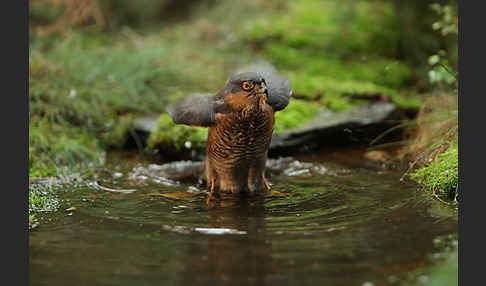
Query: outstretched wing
[[278, 86], [194, 109]]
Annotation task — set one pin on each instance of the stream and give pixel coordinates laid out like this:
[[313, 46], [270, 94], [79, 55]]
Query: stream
[[334, 218]]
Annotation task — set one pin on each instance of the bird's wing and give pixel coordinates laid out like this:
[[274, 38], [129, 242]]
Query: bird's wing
[[194, 109], [278, 86]]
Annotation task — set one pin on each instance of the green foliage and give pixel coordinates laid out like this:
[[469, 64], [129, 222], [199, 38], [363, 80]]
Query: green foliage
[[448, 22], [441, 175], [441, 71], [173, 136]]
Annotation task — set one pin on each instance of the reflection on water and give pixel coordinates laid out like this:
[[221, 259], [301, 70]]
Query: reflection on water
[[345, 226]]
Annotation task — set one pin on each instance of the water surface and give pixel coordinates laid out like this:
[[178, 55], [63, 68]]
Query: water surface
[[344, 221]]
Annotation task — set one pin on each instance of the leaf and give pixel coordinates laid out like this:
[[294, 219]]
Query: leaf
[[433, 59], [175, 195], [273, 193]]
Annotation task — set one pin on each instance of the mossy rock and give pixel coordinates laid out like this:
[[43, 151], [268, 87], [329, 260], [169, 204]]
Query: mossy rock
[[176, 137], [441, 175], [168, 136]]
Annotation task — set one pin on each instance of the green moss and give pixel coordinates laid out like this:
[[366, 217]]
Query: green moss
[[441, 175], [329, 26], [336, 81], [174, 136], [294, 115], [407, 100], [42, 198], [334, 51], [382, 72]]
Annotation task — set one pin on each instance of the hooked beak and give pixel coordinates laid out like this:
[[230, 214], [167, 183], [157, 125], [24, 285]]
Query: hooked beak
[[261, 88]]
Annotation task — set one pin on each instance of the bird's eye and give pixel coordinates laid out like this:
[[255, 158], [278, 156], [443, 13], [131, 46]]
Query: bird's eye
[[246, 85]]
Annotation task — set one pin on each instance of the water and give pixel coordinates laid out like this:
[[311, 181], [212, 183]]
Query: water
[[345, 221]]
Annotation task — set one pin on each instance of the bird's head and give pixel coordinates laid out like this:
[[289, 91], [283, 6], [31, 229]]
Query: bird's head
[[247, 84], [243, 89]]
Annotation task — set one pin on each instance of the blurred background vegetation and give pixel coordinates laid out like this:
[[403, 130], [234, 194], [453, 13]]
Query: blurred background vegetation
[[96, 65]]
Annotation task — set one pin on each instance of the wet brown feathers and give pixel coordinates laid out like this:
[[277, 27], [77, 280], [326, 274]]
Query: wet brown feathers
[[240, 120]]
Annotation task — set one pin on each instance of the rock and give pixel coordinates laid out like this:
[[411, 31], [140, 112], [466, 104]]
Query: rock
[[145, 124], [359, 125], [377, 155]]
